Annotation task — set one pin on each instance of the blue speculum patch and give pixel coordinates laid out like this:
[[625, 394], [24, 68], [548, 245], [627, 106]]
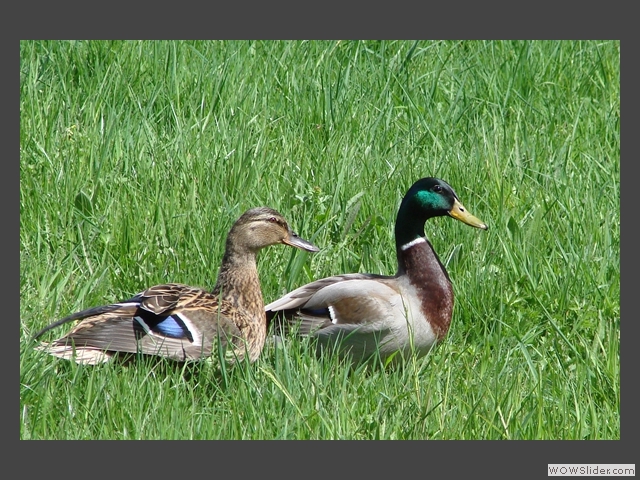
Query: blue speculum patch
[[317, 311], [171, 327]]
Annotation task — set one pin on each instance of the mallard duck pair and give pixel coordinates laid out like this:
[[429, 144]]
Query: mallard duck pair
[[361, 314]]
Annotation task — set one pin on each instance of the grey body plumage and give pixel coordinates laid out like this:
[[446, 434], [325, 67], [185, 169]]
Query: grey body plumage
[[362, 314]]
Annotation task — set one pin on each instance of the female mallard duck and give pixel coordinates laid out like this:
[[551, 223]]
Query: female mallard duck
[[367, 313], [181, 322]]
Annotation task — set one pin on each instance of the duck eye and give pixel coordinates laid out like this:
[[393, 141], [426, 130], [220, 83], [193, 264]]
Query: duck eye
[[437, 188], [276, 220]]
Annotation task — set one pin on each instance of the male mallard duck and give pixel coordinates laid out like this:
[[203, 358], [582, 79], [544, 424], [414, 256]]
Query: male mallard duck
[[364, 313], [181, 322]]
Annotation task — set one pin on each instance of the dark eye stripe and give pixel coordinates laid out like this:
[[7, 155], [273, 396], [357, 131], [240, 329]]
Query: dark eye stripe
[[277, 221]]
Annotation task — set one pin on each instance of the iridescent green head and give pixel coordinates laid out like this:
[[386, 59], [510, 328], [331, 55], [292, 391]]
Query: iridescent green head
[[430, 197]]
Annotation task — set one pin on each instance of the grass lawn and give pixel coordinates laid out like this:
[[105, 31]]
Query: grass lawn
[[136, 158]]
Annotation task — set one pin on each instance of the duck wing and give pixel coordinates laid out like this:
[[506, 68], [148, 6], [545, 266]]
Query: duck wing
[[171, 320], [355, 299]]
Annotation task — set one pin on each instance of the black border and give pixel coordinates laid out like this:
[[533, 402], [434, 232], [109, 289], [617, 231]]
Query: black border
[[324, 20]]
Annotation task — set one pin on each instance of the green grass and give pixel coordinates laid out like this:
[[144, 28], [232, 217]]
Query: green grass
[[136, 158]]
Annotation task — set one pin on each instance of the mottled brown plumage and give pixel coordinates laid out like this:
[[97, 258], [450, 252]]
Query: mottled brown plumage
[[185, 323], [361, 314]]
